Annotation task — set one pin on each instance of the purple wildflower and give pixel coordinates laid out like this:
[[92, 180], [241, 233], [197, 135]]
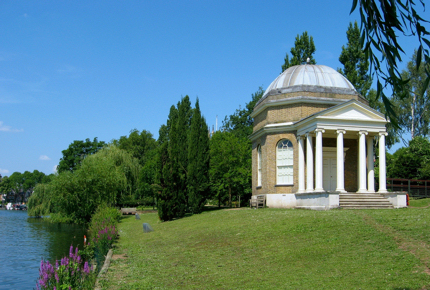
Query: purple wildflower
[[71, 251], [86, 268], [76, 253], [56, 277]]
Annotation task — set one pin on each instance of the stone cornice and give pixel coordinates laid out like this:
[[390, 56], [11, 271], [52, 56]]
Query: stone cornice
[[294, 100]]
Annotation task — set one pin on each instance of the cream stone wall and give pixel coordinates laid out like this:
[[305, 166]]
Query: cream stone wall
[[287, 113], [268, 151]]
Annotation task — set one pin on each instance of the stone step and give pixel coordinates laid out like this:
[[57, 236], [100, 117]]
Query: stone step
[[364, 198], [363, 201], [366, 207]]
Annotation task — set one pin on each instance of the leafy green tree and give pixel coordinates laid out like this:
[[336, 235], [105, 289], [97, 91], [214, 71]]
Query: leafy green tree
[[22, 184], [411, 162], [304, 48], [76, 152], [355, 63], [198, 162], [413, 107], [382, 23], [41, 202], [241, 122], [230, 166], [142, 146], [109, 177]]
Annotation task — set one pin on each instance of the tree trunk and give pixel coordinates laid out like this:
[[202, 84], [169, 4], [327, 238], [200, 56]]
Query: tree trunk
[[229, 195], [413, 116]]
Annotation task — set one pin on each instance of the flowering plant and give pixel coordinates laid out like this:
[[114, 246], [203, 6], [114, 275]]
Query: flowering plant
[[104, 239], [70, 273]]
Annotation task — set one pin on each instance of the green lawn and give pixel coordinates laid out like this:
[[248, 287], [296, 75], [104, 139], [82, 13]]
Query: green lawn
[[275, 249], [422, 202]]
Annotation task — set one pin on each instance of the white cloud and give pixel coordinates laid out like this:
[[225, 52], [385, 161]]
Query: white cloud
[[55, 169], [5, 128], [44, 157], [4, 171]]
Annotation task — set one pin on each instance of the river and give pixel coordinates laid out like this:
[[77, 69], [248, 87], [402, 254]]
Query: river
[[24, 241]]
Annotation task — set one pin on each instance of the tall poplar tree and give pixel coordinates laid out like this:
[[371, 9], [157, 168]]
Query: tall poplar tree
[[304, 48], [355, 63], [198, 162], [181, 144], [167, 173]]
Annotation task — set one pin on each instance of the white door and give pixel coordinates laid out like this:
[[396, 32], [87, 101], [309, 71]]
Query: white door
[[329, 174]]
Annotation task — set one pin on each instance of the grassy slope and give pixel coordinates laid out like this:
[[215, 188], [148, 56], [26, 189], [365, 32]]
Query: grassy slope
[[275, 249], [423, 202]]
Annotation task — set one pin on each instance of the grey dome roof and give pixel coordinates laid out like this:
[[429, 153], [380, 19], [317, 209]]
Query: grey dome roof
[[309, 75]]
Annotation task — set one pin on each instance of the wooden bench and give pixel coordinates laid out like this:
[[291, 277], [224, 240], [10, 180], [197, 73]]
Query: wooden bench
[[129, 210], [257, 201]]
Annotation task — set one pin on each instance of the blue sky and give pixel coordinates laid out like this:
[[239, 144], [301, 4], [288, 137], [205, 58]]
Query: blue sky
[[71, 70]]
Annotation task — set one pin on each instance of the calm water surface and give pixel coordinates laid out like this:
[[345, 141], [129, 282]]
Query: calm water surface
[[25, 241]]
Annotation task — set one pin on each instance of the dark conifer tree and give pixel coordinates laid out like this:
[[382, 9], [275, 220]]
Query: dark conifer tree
[[167, 170], [198, 162], [181, 147]]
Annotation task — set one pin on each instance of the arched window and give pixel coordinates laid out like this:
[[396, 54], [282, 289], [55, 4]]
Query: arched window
[[284, 162], [259, 165]]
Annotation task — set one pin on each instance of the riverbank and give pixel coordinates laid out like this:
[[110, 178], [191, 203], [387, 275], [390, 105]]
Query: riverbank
[[274, 249]]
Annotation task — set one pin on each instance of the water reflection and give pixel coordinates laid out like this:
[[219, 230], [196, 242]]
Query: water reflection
[[25, 241]]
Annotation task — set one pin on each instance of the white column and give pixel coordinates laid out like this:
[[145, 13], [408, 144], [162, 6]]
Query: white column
[[318, 160], [370, 166], [362, 162], [301, 164], [340, 162], [382, 165], [309, 164]]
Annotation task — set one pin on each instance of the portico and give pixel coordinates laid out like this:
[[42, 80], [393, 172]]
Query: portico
[[335, 122], [365, 173]]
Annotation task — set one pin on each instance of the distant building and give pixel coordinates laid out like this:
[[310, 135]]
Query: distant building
[[313, 139]]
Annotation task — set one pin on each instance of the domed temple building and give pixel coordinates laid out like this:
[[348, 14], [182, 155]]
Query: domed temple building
[[313, 139]]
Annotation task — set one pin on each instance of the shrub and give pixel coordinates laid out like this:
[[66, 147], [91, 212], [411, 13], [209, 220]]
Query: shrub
[[103, 231]]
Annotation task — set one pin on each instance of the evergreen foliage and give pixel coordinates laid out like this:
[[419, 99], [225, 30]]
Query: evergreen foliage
[[180, 147], [182, 162], [304, 48], [198, 162], [356, 65]]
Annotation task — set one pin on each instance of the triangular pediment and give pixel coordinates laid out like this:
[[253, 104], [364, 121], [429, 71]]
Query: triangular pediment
[[351, 111]]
